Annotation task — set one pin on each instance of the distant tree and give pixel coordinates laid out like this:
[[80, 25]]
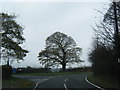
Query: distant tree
[[28, 67], [60, 50], [11, 39]]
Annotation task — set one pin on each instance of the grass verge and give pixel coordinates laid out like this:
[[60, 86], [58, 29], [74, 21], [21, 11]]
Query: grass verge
[[15, 82], [45, 74], [104, 82]]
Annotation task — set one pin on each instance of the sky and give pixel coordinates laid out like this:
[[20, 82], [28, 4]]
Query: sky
[[42, 19]]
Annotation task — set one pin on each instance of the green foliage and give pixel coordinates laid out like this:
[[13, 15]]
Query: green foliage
[[28, 67], [6, 71], [12, 39]]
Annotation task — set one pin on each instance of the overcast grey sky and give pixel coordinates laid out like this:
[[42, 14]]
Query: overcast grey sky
[[41, 19]]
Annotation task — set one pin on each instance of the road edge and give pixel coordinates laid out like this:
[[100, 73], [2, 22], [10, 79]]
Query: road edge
[[93, 83]]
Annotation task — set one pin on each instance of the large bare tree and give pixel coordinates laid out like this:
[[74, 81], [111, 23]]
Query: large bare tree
[[60, 50], [108, 32], [106, 46]]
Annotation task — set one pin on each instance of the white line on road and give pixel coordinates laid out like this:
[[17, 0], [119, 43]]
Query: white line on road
[[39, 82], [93, 84], [36, 85], [65, 87], [66, 79]]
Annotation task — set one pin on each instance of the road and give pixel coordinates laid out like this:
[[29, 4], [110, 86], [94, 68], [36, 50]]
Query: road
[[67, 82]]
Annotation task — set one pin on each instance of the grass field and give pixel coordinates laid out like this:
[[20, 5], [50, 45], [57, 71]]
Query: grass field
[[104, 82], [45, 74], [15, 82]]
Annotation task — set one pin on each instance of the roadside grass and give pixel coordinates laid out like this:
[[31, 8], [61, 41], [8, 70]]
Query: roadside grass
[[15, 82], [104, 82], [47, 74]]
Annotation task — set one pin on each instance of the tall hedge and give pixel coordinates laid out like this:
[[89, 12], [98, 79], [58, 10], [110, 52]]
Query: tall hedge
[[6, 71]]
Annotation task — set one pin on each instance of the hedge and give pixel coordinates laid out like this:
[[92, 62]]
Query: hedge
[[6, 71]]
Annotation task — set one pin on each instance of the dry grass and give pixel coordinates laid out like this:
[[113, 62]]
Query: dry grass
[[14, 82]]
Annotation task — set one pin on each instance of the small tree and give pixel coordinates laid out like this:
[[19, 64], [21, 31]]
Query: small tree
[[11, 39], [60, 50]]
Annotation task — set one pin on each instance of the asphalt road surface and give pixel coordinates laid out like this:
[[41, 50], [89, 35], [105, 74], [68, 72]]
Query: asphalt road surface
[[68, 82], [65, 82]]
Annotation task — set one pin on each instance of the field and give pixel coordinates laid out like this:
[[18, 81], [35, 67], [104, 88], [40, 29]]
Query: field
[[14, 82]]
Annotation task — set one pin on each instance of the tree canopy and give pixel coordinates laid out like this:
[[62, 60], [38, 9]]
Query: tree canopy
[[12, 38], [60, 50]]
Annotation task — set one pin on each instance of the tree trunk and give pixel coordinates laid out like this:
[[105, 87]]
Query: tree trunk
[[64, 60], [63, 67], [8, 64]]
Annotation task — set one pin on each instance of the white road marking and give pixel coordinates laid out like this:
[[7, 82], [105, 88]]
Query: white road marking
[[65, 87], [93, 84], [39, 82], [66, 79], [36, 85]]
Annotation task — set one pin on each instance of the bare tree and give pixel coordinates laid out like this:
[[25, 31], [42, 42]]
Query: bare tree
[[60, 50], [108, 30], [104, 35], [105, 53]]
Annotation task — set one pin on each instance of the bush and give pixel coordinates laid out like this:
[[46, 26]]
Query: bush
[[6, 71], [103, 61]]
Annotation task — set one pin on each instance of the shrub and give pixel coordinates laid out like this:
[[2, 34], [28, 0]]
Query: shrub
[[6, 71]]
